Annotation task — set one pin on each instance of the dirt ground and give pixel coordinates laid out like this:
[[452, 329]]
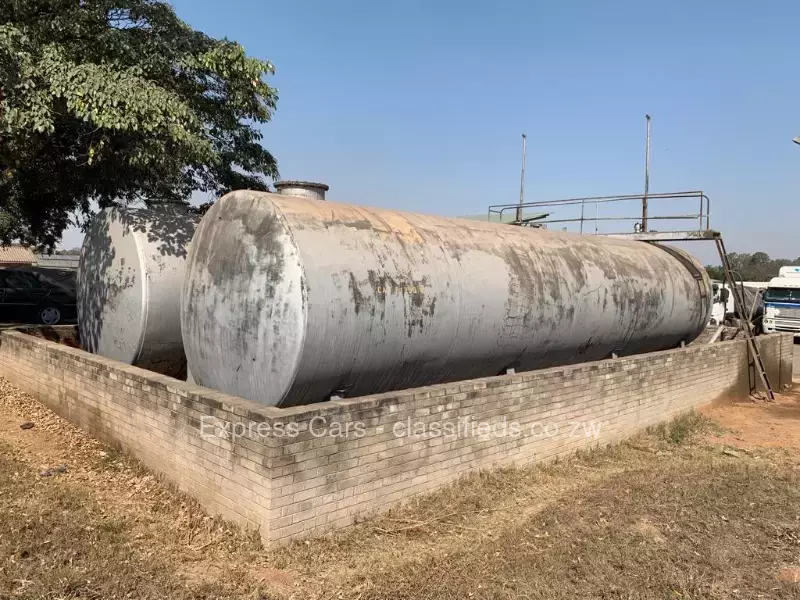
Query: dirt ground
[[752, 424], [707, 506]]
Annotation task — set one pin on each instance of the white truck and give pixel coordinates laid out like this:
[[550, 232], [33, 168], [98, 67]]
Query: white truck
[[782, 302], [722, 303]]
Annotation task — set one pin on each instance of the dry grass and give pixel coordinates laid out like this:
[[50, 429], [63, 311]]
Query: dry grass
[[680, 528], [107, 528], [664, 515], [659, 516]]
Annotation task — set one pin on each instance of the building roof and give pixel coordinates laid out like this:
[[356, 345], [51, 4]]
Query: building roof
[[16, 255], [58, 261]]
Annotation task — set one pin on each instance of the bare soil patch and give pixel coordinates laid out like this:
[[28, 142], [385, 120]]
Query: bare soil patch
[[756, 423]]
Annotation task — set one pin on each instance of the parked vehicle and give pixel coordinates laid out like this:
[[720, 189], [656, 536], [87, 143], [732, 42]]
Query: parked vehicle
[[31, 295], [782, 302], [723, 309]]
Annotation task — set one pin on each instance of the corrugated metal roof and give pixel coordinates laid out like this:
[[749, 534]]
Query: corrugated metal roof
[[16, 255]]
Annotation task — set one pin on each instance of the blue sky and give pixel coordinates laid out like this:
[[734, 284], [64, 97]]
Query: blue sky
[[419, 105]]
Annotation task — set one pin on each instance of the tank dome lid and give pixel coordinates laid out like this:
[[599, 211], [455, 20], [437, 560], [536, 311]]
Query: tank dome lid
[[305, 189]]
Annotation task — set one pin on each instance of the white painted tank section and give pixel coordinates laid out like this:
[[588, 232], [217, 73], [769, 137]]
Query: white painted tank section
[[289, 300], [130, 276]]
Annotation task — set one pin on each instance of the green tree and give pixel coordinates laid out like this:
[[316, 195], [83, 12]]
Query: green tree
[[715, 272], [114, 101], [751, 267]]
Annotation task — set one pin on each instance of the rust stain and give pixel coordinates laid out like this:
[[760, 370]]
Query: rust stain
[[358, 297]]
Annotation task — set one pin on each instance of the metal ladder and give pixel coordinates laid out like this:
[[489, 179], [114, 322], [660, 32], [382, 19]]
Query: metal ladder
[[754, 362]]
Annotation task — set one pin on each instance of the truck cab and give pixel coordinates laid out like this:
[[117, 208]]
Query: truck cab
[[782, 302]]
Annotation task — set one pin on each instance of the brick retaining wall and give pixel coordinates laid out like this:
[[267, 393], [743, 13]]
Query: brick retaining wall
[[291, 472]]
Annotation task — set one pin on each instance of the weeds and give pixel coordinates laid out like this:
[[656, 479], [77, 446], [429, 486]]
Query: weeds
[[684, 427]]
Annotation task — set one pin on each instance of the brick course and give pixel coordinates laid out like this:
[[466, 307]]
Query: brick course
[[291, 472]]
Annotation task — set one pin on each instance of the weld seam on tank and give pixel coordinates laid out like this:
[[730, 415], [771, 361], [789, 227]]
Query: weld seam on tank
[[145, 304], [303, 286]]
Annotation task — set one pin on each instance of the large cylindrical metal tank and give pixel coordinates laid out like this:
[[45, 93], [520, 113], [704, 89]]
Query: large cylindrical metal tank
[[290, 300], [129, 285]]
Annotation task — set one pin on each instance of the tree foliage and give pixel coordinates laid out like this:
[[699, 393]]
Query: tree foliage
[[752, 267], [113, 101]]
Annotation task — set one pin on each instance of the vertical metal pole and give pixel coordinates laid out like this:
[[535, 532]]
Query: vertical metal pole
[[522, 179], [646, 176], [596, 215], [701, 211]]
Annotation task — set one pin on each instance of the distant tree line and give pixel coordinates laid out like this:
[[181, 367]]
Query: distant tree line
[[751, 267]]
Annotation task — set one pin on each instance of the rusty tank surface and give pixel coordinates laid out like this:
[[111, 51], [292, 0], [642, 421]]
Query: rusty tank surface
[[290, 300], [129, 285]]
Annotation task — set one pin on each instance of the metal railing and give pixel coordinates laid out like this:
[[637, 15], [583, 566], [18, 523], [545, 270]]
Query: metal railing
[[593, 204]]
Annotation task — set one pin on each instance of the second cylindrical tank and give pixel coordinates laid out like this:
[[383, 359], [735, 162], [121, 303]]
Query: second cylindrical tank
[[290, 300], [129, 285]]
